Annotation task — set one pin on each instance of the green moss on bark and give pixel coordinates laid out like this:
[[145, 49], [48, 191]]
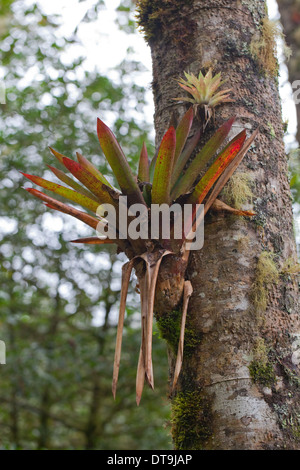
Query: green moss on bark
[[191, 420], [262, 374], [169, 327], [261, 369]]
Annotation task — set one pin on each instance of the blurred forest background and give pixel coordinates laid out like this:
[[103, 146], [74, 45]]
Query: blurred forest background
[[59, 301]]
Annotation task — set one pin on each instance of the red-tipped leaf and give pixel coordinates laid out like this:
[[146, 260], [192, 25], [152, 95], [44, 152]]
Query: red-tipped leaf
[[229, 171], [89, 180], [93, 241], [217, 168], [85, 163], [57, 155], [163, 168], [143, 174], [201, 159], [73, 196], [182, 132], [61, 207], [117, 160], [184, 156], [73, 184]]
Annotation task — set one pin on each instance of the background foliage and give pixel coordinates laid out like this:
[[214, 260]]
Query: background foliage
[[58, 301]]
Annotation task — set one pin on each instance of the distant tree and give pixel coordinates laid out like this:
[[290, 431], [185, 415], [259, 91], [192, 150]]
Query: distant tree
[[290, 19]]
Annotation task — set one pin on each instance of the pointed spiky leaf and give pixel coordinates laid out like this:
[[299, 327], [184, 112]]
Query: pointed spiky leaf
[[222, 96], [229, 171], [57, 155], [183, 98], [203, 89], [89, 180], [163, 168], [221, 206], [222, 180], [216, 169], [182, 132], [93, 241], [184, 184], [61, 207], [85, 163], [73, 184], [143, 174], [65, 192], [184, 157], [117, 160], [82, 216]]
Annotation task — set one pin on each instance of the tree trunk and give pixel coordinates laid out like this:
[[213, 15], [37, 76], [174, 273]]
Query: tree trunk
[[290, 19], [14, 408], [239, 386], [46, 399]]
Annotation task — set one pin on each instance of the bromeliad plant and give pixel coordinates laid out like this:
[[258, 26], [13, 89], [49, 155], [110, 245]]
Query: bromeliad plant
[[204, 92], [171, 176]]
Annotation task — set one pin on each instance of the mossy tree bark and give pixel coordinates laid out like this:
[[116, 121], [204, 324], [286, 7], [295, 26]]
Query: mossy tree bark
[[239, 386], [290, 19]]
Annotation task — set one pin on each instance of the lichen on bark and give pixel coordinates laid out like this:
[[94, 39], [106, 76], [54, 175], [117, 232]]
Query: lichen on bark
[[263, 46], [238, 190], [266, 275]]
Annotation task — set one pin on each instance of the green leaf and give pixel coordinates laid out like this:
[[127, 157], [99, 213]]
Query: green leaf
[[73, 184], [89, 180], [62, 207], [143, 174], [117, 160], [147, 194], [217, 168], [73, 196], [163, 168], [184, 157], [57, 155], [152, 166], [182, 132], [184, 184], [92, 169]]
